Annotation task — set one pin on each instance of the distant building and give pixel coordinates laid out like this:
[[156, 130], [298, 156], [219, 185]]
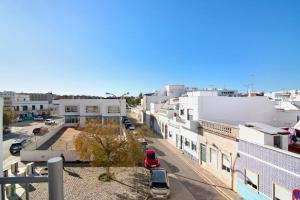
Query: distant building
[[78, 111]]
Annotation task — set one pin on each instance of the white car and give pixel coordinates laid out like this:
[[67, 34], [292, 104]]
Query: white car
[[49, 121], [131, 128], [159, 183], [39, 118]]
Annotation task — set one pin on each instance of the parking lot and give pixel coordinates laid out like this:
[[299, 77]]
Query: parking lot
[[19, 131]]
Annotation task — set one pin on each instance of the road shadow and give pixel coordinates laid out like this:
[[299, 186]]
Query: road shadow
[[157, 151], [9, 136], [170, 167]]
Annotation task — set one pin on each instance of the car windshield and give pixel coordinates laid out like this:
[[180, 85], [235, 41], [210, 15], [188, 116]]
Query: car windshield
[[151, 156], [16, 145], [158, 179]]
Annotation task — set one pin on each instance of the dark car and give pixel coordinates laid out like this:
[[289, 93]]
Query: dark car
[[6, 131], [124, 119], [17, 147], [40, 131], [128, 125]]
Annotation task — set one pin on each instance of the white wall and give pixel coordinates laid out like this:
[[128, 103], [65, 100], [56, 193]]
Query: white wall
[[236, 109], [192, 136], [174, 129], [251, 135], [82, 103], [44, 155]]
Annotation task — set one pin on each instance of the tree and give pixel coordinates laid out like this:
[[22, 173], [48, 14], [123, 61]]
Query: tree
[[144, 131], [103, 145], [8, 117]]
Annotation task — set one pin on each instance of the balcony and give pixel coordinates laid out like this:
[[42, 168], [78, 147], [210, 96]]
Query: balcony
[[221, 129]]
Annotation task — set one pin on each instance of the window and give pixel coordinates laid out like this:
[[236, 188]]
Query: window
[[226, 163], [92, 109], [25, 108], [281, 193], [33, 107], [187, 142], [214, 157], [170, 134], [251, 179], [71, 120], [190, 113], [71, 108], [203, 152], [113, 109], [277, 141], [17, 108], [194, 146], [41, 107], [182, 112], [162, 127]]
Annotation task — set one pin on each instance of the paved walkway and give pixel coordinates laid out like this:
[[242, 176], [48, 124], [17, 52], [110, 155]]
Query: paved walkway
[[218, 185]]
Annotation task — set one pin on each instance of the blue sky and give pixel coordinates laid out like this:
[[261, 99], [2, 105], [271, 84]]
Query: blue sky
[[90, 47]]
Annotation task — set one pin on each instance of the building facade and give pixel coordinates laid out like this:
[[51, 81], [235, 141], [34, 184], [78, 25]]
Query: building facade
[[78, 111], [266, 170]]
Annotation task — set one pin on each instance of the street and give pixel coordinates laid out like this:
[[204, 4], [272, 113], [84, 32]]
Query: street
[[184, 182]]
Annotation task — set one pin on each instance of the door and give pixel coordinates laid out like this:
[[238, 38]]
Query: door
[[181, 141]]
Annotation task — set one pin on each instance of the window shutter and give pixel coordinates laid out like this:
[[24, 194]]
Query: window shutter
[[226, 160]]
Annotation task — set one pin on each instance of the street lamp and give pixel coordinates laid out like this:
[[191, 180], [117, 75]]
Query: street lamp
[[120, 99]]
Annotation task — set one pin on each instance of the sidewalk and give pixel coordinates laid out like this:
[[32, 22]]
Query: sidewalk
[[217, 184]]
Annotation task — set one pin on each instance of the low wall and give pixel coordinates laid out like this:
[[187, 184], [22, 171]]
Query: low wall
[[44, 155], [42, 140]]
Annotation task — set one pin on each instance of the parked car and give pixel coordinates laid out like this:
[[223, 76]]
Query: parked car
[[125, 119], [6, 130], [38, 118], [49, 121], [131, 128], [144, 143], [19, 119], [150, 160], [40, 131], [128, 125], [17, 147], [159, 183]]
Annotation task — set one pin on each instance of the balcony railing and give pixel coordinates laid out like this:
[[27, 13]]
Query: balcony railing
[[219, 129], [54, 179]]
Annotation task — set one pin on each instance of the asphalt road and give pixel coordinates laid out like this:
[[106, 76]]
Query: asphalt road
[[185, 184]]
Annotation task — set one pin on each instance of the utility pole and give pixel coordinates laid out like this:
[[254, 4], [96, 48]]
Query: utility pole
[[120, 99]]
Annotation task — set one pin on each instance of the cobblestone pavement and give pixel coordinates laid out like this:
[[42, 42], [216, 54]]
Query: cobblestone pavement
[[82, 183]]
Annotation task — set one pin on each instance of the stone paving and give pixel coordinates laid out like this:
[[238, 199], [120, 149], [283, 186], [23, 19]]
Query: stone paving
[[82, 183]]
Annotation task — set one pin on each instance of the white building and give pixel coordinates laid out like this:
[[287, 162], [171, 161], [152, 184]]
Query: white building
[[179, 118], [23, 104], [286, 100], [77, 111]]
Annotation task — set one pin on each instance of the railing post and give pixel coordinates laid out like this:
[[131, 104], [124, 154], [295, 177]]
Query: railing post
[[55, 177]]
